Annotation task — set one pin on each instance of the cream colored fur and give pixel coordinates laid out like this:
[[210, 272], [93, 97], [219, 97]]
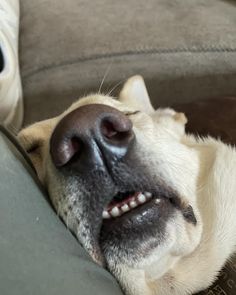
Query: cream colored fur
[[202, 170]]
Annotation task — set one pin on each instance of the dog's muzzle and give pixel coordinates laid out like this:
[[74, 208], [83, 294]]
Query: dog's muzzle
[[122, 207]]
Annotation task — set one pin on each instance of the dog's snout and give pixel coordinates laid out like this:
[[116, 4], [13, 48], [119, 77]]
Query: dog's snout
[[90, 134]]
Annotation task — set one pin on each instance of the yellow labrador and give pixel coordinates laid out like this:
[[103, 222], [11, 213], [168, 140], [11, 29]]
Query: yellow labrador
[[155, 206]]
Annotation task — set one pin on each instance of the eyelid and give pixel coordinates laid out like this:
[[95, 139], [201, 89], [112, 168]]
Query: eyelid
[[33, 148], [131, 113]]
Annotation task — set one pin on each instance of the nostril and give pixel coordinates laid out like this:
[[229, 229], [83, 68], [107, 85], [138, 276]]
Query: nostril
[[108, 129], [116, 129], [64, 151], [76, 144]]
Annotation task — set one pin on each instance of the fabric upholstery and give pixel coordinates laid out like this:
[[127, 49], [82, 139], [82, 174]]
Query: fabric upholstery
[[184, 49], [38, 254]]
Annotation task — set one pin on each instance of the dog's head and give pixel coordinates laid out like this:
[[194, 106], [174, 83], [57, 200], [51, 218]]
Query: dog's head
[[121, 177]]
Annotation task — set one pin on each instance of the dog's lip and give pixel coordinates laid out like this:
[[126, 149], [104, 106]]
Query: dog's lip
[[138, 209], [138, 198], [137, 224], [152, 198], [157, 210], [148, 220]]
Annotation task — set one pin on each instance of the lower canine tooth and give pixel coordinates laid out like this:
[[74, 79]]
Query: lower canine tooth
[[133, 204], [157, 201], [142, 198], [125, 208], [115, 212], [105, 215]]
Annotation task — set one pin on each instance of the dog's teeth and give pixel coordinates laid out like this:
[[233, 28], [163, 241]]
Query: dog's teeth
[[125, 208], [133, 204], [106, 215], [115, 212], [148, 195], [141, 198], [157, 201]]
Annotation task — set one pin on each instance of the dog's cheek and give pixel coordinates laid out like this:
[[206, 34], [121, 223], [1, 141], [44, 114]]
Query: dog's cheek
[[187, 235]]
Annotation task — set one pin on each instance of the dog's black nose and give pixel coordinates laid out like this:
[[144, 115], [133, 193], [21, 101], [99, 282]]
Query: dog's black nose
[[90, 136]]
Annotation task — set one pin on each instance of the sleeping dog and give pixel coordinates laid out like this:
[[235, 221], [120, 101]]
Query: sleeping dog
[[152, 204]]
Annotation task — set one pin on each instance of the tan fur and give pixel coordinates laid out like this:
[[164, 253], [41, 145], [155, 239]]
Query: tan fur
[[203, 171]]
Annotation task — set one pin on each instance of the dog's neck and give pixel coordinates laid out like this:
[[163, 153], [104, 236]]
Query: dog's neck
[[217, 205]]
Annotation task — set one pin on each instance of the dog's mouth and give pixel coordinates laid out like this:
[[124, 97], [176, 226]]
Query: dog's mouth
[[124, 202], [132, 220]]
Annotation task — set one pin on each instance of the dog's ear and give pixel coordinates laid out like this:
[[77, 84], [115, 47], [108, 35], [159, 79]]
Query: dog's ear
[[34, 139], [134, 93]]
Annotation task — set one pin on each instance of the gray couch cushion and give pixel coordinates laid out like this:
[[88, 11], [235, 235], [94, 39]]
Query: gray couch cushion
[[184, 49], [38, 255]]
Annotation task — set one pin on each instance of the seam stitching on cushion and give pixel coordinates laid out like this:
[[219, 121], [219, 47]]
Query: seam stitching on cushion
[[130, 53]]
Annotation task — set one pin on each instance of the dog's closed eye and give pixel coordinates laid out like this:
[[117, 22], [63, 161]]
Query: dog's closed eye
[[34, 141], [34, 148], [131, 113]]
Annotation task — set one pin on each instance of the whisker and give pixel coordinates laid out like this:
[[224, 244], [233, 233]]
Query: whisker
[[104, 77], [116, 85]]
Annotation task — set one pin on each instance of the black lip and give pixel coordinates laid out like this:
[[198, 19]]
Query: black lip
[[168, 200], [132, 230], [143, 213]]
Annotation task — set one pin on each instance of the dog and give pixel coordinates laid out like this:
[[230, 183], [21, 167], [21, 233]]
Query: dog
[[152, 204]]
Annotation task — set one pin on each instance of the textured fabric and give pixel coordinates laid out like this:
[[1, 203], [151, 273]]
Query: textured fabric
[[184, 49], [38, 254]]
